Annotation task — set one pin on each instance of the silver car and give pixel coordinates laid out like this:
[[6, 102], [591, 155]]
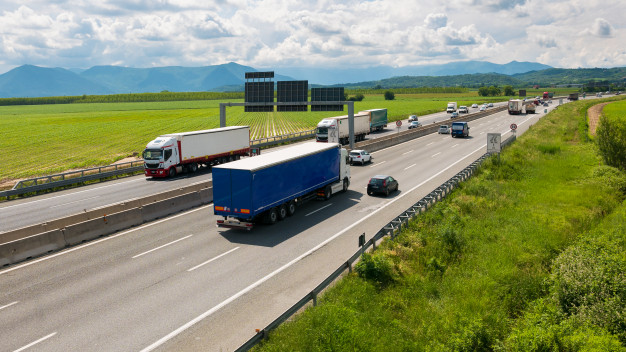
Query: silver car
[[444, 129]]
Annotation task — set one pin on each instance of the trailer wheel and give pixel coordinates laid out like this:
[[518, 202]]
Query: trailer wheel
[[271, 217], [193, 167], [291, 208], [282, 212], [327, 192]]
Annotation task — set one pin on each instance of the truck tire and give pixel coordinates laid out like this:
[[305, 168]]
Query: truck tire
[[291, 208], [328, 191], [172, 172], [271, 217], [346, 183], [282, 212]]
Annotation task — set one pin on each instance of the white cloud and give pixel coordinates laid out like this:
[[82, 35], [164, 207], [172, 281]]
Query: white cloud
[[436, 20], [602, 28]]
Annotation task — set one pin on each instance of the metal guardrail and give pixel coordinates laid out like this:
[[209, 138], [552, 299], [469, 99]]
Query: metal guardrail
[[264, 142], [72, 177], [392, 229]]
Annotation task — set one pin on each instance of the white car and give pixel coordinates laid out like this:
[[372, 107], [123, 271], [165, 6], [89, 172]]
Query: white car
[[483, 108], [360, 157], [444, 129], [490, 105], [474, 106], [463, 109], [414, 124], [412, 118]]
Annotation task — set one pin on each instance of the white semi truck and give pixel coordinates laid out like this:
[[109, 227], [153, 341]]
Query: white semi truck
[[451, 107], [170, 154], [339, 125]]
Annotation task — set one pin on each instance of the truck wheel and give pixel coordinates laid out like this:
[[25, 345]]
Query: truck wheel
[[327, 192], [272, 216], [172, 172], [345, 185], [193, 167], [291, 208], [282, 212]]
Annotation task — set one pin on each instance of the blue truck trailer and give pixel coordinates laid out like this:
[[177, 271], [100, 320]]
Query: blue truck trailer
[[269, 187]]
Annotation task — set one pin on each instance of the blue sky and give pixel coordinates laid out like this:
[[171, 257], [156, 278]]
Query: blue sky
[[287, 33]]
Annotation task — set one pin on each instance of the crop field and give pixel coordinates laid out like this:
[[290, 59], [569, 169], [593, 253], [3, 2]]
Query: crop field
[[48, 139]]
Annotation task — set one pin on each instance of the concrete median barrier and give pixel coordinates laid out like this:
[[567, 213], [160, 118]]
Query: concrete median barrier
[[32, 246], [206, 195], [102, 226], [170, 206]]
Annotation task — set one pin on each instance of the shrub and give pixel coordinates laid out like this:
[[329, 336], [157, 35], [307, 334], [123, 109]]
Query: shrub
[[611, 139], [376, 267], [389, 95]]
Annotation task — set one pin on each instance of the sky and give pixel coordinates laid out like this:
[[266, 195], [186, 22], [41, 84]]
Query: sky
[[270, 34]]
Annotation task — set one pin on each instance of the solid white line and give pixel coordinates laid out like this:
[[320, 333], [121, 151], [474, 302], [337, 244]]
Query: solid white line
[[315, 211], [405, 153], [159, 247], [382, 162], [8, 305], [434, 155], [76, 201], [210, 260], [429, 143], [408, 167], [35, 342], [292, 262], [455, 145], [101, 240]]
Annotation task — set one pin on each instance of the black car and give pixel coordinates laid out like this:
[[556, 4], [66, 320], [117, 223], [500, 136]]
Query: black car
[[382, 184]]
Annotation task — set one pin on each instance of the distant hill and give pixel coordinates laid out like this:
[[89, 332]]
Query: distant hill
[[579, 75], [471, 81]]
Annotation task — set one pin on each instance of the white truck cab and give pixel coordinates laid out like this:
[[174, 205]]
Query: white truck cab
[[162, 158]]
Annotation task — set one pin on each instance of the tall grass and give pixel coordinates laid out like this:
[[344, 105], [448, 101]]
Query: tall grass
[[468, 273]]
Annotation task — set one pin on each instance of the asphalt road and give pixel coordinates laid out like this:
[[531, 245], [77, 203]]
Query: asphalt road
[[35, 210], [182, 284]]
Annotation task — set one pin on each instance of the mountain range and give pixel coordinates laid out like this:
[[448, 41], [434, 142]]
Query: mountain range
[[36, 81]]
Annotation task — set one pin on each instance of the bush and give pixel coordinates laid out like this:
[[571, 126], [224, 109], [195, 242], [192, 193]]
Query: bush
[[389, 95], [376, 267], [611, 139]]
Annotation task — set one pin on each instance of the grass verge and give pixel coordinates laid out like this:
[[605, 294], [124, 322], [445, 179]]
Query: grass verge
[[504, 263]]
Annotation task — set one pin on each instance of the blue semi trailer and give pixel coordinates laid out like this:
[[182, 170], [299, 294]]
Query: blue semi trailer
[[269, 187]]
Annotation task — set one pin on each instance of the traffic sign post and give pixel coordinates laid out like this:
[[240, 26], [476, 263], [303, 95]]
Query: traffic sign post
[[398, 125], [513, 128], [494, 144]]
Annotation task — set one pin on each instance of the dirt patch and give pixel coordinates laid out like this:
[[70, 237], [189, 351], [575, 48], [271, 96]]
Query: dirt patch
[[593, 114]]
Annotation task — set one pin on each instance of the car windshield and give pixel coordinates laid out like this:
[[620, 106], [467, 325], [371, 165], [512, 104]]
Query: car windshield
[[376, 181], [443, 127], [457, 127], [152, 154]]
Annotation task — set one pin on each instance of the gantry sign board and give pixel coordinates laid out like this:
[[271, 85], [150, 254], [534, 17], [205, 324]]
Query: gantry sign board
[[494, 142]]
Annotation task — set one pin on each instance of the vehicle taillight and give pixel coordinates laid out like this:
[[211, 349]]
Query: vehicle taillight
[[384, 183], [220, 221]]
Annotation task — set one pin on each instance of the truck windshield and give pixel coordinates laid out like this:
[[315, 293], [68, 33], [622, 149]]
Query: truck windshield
[[322, 130], [457, 127], [152, 154]]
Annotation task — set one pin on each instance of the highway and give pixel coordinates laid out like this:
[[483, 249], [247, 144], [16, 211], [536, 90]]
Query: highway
[[35, 210], [181, 284]]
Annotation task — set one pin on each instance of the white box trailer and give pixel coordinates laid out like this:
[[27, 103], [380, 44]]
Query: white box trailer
[[340, 125], [169, 154]]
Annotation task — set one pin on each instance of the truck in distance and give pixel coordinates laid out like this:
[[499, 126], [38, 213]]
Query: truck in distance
[[378, 118], [339, 124], [170, 154], [572, 96], [451, 107], [269, 187], [515, 106]]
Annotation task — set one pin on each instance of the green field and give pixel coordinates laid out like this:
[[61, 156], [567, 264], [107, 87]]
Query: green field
[[528, 255], [47, 139]]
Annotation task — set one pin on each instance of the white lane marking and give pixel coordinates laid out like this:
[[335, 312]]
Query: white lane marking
[[410, 151], [382, 162], [102, 240], [212, 259], [455, 145], [429, 143], [315, 211], [292, 262], [35, 342], [8, 305], [434, 155], [159, 247], [408, 167], [76, 201]]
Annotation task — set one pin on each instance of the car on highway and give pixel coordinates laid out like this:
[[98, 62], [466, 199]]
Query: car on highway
[[474, 106], [463, 109], [454, 114], [382, 184], [412, 118], [414, 124], [490, 105], [359, 156], [483, 108], [444, 129]]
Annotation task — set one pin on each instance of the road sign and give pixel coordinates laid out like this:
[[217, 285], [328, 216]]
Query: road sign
[[398, 123], [513, 126], [493, 142]]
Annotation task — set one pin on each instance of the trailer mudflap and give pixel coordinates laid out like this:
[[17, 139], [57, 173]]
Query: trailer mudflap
[[235, 224]]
